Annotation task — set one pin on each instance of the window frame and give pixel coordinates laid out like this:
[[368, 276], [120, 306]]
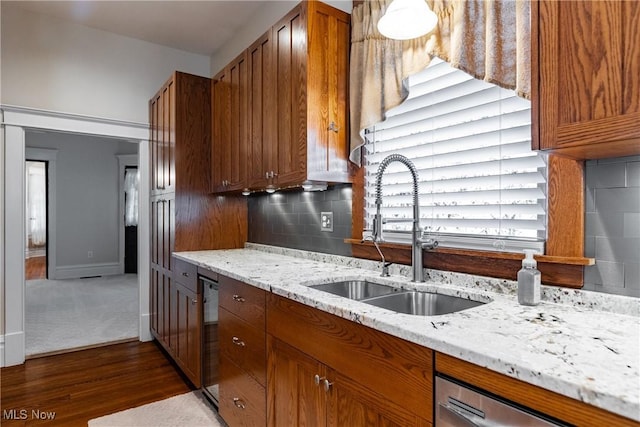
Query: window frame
[[564, 262]]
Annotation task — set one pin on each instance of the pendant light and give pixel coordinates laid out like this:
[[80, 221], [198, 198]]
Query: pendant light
[[407, 19]]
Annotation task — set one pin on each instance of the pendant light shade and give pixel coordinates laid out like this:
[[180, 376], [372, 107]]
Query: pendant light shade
[[407, 19]]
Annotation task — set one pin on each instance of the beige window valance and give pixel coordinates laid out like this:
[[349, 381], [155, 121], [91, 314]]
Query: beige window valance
[[489, 39]]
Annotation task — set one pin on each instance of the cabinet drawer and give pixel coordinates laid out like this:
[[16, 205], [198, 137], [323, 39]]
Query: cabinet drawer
[[245, 301], [244, 344], [243, 402], [185, 273]]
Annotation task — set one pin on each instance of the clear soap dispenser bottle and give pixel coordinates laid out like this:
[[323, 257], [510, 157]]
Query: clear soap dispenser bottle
[[529, 280]]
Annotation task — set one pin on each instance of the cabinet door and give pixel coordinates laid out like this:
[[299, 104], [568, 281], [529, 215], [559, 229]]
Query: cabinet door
[[220, 131], [261, 115], [589, 77], [352, 404], [329, 34], [155, 133], [288, 154], [155, 294], [230, 127], [168, 230], [168, 145], [160, 306], [187, 341], [293, 397]]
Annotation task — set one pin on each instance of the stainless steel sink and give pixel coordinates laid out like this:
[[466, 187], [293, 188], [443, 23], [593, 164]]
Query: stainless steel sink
[[422, 303], [355, 289]]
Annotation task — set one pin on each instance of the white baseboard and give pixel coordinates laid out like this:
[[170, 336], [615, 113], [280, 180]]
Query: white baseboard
[[145, 328], [12, 349], [87, 270]]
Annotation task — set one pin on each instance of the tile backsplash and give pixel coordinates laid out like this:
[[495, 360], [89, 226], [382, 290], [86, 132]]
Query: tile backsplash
[[292, 219], [612, 225]]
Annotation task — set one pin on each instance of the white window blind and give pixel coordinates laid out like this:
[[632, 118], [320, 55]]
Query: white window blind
[[481, 185]]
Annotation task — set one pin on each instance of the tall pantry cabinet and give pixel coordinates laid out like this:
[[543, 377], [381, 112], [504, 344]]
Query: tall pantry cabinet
[[184, 216]]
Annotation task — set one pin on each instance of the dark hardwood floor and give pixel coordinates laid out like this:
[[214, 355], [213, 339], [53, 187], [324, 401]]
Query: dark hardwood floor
[[35, 267], [87, 384]]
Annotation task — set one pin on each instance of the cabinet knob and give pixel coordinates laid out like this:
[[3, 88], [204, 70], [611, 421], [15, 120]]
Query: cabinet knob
[[239, 403], [238, 298], [194, 301], [327, 385], [185, 274], [334, 127], [237, 341], [317, 378]]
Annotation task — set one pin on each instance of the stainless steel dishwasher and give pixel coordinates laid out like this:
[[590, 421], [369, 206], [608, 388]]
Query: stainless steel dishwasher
[[460, 406], [210, 357]]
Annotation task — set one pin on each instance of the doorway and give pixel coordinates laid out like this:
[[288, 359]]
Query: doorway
[[36, 220], [131, 183]]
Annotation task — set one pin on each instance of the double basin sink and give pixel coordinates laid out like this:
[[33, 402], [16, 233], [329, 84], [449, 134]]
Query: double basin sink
[[401, 301]]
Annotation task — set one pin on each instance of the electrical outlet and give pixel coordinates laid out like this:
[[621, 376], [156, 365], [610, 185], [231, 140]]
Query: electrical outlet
[[326, 221], [90, 254]]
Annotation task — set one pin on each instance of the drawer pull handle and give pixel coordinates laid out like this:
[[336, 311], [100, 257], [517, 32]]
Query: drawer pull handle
[[317, 378], [237, 341], [238, 298], [239, 403], [185, 274]]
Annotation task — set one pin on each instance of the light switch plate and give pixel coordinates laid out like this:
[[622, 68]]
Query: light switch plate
[[326, 221]]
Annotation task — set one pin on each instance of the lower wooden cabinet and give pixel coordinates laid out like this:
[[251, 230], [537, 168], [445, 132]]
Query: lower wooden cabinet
[[176, 320], [187, 341], [305, 392], [323, 370]]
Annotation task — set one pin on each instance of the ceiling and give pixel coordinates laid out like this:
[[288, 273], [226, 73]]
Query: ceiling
[[200, 27]]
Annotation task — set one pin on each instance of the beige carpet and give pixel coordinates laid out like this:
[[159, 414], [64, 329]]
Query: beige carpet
[[185, 410], [66, 314]]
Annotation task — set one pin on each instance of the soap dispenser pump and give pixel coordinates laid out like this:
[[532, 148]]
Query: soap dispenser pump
[[529, 280]]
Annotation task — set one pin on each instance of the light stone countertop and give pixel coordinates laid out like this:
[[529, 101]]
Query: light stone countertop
[[584, 345]]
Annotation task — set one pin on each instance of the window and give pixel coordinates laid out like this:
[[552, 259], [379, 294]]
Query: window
[[481, 185]]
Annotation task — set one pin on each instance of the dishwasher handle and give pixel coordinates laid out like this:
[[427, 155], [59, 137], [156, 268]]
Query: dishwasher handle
[[470, 419]]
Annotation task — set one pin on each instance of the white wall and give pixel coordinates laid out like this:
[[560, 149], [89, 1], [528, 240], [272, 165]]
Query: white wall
[[263, 19], [50, 64], [87, 200]]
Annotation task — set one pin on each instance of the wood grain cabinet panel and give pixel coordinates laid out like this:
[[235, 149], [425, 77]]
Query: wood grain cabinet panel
[[230, 111], [260, 104], [587, 89], [187, 340]]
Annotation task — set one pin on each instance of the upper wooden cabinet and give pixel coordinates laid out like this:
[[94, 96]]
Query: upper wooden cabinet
[[296, 113], [162, 115], [586, 93], [230, 133]]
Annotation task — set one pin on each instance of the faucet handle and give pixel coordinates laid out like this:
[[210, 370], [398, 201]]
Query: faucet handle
[[427, 242]]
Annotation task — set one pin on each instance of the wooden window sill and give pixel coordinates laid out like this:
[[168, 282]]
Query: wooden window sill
[[556, 270]]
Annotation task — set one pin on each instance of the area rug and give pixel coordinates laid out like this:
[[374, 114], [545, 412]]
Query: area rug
[[184, 410], [67, 314]]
